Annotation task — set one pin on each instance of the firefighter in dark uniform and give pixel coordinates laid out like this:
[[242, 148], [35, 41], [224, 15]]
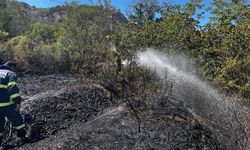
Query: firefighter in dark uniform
[[10, 101]]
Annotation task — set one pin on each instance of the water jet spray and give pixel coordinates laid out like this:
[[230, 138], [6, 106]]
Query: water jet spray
[[228, 120]]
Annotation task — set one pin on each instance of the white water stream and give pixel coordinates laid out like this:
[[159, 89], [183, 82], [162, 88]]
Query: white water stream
[[227, 119]]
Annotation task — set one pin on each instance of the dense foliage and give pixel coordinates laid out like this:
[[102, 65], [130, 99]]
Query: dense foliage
[[81, 43], [220, 49]]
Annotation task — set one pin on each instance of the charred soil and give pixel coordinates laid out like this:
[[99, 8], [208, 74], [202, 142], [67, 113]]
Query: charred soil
[[67, 114]]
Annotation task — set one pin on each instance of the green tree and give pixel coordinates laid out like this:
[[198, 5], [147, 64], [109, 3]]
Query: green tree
[[86, 29], [225, 45], [229, 12], [178, 30], [144, 11]]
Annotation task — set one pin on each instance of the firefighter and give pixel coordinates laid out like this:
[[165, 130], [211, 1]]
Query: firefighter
[[118, 60], [10, 101]]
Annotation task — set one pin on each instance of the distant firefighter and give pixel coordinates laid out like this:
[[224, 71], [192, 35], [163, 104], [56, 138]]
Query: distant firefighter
[[118, 59]]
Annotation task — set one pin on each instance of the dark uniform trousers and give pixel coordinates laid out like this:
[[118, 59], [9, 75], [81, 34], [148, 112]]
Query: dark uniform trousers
[[15, 118]]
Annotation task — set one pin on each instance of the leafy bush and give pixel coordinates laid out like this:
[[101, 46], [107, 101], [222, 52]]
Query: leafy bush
[[20, 49], [44, 33]]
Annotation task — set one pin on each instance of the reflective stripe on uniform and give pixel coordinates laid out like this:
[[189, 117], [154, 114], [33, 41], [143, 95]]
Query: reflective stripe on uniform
[[12, 83], [20, 127], [2, 86], [14, 96], [6, 104]]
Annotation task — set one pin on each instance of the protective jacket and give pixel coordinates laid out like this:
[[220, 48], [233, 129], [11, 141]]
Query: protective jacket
[[9, 91]]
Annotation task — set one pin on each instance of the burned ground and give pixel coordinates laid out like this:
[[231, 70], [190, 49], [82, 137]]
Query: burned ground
[[83, 115]]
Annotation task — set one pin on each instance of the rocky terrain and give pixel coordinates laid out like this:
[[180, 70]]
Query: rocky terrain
[[68, 114], [58, 13]]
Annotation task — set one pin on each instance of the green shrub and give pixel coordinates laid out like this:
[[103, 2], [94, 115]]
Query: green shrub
[[45, 33]]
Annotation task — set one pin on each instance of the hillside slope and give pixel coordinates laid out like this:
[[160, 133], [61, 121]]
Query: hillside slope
[[57, 14], [73, 115]]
